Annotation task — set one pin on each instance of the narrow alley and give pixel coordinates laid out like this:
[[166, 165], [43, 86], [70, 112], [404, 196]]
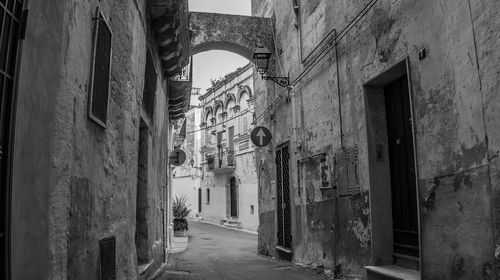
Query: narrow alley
[[359, 139], [218, 253]]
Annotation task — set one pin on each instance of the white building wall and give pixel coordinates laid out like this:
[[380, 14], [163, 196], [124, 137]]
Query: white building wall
[[239, 84]]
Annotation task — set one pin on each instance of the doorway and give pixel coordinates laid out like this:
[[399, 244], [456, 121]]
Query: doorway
[[392, 169], [9, 60], [199, 200], [284, 230], [233, 192], [402, 168]]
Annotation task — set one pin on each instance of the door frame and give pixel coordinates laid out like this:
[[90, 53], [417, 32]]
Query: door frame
[[387, 76]]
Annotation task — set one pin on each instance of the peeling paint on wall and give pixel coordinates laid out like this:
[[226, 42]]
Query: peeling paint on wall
[[361, 232]]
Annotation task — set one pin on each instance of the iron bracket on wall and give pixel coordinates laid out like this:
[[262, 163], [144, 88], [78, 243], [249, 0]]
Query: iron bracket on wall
[[282, 81]]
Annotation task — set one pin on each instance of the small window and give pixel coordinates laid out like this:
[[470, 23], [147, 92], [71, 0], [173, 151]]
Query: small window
[[100, 71], [150, 86], [251, 210], [208, 196]]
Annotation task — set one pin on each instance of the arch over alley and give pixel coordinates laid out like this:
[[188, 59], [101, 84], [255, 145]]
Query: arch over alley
[[233, 33]]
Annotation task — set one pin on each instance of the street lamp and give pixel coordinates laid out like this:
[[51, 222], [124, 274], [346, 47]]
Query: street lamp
[[261, 58]]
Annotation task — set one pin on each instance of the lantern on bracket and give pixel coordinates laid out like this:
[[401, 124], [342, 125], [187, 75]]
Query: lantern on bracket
[[261, 57]]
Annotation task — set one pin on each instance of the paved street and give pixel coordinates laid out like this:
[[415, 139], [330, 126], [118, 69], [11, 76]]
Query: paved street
[[219, 253]]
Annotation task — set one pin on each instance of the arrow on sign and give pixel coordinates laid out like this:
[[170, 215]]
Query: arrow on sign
[[261, 134]]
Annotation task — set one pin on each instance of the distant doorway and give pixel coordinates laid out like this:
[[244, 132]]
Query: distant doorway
[[199, 200], [233, 192]]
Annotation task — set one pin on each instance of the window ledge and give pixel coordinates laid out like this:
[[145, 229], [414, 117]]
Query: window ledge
[[395, 272]]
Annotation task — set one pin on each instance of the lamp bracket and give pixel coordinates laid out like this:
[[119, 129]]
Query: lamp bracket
[[282, 81]]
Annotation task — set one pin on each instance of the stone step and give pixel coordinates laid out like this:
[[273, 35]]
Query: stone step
[[391, 272], [231, 223]]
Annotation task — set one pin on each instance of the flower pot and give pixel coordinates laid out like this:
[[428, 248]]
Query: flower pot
[[180, 233]]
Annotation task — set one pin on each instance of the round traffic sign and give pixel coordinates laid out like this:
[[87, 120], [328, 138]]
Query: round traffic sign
[[177, 157], [261, 136]]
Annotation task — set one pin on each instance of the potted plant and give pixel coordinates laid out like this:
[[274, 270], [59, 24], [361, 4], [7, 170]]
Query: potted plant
[[180, 211], [210, 161]]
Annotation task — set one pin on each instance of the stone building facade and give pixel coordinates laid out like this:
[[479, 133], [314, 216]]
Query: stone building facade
[[389, 137], [93, 100], [229, 187], [186, 179]]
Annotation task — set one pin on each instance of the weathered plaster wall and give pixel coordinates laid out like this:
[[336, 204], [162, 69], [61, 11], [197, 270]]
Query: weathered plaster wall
[[82, 178], [485, 26], [187, 187], [31, 256], [449, 98]]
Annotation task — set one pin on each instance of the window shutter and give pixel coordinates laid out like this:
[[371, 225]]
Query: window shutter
[[100, 72]]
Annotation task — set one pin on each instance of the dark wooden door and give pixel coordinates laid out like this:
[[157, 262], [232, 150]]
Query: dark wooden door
[[284, 232], [10, 26], [233, 189], [402, 167]]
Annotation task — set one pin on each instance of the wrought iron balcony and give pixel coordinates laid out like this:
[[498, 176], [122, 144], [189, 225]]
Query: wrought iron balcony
[[223, 161]]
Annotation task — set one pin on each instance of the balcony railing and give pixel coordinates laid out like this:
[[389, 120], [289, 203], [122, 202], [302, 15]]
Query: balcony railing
[[222, 161]]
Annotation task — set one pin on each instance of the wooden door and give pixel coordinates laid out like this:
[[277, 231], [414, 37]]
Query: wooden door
[[402, 167]]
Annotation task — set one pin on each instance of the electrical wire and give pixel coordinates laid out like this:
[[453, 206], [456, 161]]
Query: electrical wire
[[339, 36], [267, 109]]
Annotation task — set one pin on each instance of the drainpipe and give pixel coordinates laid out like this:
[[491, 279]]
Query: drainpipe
[[337, 201]]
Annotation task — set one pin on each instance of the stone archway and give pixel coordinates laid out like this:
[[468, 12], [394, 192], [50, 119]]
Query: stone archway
[[234, 33]]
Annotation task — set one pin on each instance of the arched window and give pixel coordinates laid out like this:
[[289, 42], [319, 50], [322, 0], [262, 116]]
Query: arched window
[[229, 107], [244, 96]]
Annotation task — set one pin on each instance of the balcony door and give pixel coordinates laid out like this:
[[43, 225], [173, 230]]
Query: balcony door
[[230, 138], [219, 149]]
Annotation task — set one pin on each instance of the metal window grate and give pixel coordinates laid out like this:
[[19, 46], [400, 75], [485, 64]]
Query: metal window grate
[[284, 231], [107, 248], [100, 75]]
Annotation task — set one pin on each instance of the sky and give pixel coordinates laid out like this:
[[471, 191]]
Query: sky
[[215, 64]]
